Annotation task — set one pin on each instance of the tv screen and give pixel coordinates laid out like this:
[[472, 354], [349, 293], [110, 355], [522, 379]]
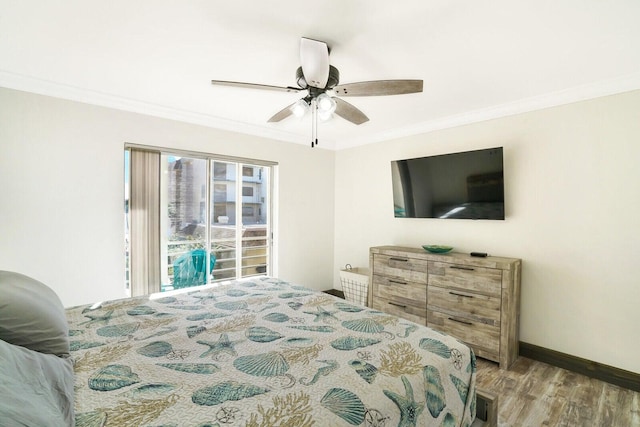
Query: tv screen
[[467, 185]]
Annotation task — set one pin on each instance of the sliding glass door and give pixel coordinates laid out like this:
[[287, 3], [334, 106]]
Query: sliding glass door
[[183, 210], [255, 238], [240, 230], [215, 219]]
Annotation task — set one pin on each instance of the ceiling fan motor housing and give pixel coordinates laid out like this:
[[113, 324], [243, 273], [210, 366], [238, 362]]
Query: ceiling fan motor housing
[[332, 81]]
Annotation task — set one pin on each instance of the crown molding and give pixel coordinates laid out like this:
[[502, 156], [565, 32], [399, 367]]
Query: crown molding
[[566, 96], [49, 88]]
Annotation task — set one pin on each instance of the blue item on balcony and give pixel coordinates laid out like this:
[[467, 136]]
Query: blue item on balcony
[[189, 269]]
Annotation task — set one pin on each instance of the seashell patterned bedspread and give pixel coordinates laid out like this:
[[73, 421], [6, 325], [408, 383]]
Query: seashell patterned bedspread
[[264, 352]]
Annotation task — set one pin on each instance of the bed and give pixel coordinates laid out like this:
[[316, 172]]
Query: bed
[[263, 352]]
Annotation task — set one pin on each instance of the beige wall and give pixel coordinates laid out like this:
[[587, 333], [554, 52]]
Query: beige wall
[[572, 199], [62, 193], [573, 216]]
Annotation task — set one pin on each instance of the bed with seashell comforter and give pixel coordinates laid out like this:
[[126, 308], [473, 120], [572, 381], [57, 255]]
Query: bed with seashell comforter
[[263, 352]]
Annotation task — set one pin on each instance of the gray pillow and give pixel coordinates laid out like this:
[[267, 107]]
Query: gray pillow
[[36, 389], [32, 315]]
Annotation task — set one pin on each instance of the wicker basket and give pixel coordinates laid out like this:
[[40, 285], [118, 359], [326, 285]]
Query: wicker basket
[[355, 284]]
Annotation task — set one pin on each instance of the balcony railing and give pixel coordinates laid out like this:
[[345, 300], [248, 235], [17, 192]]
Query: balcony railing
[[254, 258]]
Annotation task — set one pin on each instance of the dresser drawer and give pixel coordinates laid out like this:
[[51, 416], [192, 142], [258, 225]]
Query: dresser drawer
[[410, 269], [405, 311], [479, 307], [487, 281], [400, 291], [478, 335]]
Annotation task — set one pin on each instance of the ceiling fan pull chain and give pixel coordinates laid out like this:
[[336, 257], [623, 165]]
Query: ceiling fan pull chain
[[314, 122]]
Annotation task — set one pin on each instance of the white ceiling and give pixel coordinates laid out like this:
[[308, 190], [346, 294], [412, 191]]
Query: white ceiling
[[478, 59]]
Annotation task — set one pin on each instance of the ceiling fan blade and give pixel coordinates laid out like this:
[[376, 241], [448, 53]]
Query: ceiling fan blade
[[349, 112], [255, 86], [281, 115], [379, 87], [314, 58]]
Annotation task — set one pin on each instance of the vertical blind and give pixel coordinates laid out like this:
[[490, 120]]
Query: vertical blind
[[145, 222]]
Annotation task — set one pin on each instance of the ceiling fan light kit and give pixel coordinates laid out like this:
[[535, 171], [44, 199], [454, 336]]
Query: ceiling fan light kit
[[300, 107], [321, 81], [326, 103]]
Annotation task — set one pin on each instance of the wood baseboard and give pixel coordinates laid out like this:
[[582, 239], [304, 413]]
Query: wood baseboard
[[616, 376]]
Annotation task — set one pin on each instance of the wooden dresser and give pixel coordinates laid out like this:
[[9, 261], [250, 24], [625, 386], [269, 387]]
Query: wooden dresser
[[476, 300]]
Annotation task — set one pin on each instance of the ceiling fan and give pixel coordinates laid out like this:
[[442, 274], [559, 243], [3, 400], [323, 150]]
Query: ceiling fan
[[321, 82]]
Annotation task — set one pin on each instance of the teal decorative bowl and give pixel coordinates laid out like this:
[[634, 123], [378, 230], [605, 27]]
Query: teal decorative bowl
[[437, 249]]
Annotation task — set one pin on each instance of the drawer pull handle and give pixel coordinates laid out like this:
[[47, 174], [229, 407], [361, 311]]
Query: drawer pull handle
[[459, 321], [460, 295], [398, 305], [399, 259], [461, 268], [399, 282]]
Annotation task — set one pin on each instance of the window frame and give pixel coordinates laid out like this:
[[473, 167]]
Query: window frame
[[242, 164]]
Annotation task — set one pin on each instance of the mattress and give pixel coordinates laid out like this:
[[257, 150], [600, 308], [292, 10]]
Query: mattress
[[263, 352]]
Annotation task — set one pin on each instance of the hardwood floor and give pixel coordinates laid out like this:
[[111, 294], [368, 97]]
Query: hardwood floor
[[533, 393]]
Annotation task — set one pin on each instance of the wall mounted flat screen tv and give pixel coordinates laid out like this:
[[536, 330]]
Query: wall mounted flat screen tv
[[467, 185]]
